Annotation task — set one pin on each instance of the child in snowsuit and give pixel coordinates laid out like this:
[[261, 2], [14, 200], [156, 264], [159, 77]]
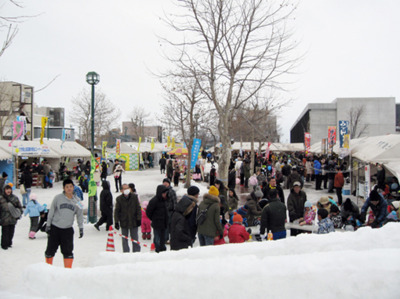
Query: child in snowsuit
[[309, 214], [325, 223], [237, 232], [33, 209], [336, 217], [146, 223]]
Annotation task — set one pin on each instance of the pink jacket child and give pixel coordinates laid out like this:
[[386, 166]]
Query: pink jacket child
[[221, 241], [237, 232], [309, 214], [146, 222]]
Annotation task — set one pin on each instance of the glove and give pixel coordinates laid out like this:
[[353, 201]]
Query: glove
[[116, 226], [249, 231], [48, 230], [375, 224], [80, 233], [363, 216]]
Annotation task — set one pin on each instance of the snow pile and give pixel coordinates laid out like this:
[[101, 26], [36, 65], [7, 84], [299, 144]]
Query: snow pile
[[362, 264]]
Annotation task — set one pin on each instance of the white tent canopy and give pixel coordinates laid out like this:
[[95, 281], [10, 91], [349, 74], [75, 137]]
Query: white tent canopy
[[277, 147]]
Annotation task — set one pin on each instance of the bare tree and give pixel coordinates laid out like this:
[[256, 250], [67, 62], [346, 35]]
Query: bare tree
[[357, 126], [9, 106], [241, 47], [105, 116], [183, 97], [137, 117]]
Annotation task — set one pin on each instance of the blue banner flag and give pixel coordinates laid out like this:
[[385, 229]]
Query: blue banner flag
[[343, 130], [195, 152]]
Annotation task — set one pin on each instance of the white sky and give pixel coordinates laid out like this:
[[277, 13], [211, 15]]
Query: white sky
[[351, 50]]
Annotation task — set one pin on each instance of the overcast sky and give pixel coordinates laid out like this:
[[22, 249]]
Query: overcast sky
[[351, 50]]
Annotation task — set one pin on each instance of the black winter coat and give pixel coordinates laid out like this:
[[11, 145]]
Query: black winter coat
[[157, 209], [106, 199], [26, 179], [181, 236], [295, 204], [273, 217], [128, 211]]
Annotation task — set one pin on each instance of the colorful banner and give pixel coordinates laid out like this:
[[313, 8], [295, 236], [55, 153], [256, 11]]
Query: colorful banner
[[267, 151], [173, 142], [138, 148], [331, 136], [17, 132], [92, 183], [343, 130], [118, 148], [346, 141], [44, 123], [168, 141], [22, 119], [152, 143], [195, 152], [103, 149], [307, 141], [323, 146]]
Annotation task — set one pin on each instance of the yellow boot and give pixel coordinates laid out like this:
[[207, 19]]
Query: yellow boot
[[68, 263], [49, 260]]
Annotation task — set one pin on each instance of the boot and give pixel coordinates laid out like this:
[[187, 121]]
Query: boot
[[32, 235], [97, 227], [49, 260], [68, 263], [144, 236], [148, 236]]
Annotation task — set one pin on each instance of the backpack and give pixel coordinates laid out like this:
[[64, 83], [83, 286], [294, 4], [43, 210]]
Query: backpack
[[202, 215]]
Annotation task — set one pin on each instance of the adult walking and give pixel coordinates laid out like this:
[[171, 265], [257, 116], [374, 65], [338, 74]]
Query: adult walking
[[106, 206], [318, 174], [60, 222], [158, 214], [170, 169], [171, 204], [338, 184], [128, 216], [211, 227], [295, 203], [7, 220], [26, 180], [104, 171], [162, 162], [118, 170]]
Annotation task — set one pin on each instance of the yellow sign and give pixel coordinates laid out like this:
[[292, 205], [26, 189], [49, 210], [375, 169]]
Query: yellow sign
[[152, 143], [44, 123]]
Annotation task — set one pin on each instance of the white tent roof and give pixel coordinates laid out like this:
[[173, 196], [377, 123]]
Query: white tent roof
[[69, 149], [277, 147], [131, 148]]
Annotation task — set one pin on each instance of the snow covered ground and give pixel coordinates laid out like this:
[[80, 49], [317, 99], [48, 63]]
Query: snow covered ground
[[362, 264]]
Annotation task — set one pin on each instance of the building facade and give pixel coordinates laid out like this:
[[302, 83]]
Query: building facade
[[367, 117], [132, 132]]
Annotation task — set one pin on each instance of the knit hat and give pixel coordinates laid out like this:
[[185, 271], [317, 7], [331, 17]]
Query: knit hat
[[374, 196], [237, 218], [307, 204], [33, 196], [258, 193], [167, 180], [193, 190], [213, 191], [5, 174]]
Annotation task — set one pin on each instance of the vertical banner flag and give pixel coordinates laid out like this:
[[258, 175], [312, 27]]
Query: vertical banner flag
[[22, 119], [331, 136], [367, 184], [307, 141], [152, 143], [168, 141], [17, 131], [118, 148], [195, 152], [62, 138], [346, 141], [44, 123], [323, 146], [173, 142], [267, 151], [103, 149], [92, 183], [343, 130], [138, 148]]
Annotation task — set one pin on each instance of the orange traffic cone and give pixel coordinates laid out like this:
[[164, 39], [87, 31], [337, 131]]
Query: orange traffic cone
[[152, 247], [110, 241]]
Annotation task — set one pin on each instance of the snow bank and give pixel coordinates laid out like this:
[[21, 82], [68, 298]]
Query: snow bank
[[362, 264]]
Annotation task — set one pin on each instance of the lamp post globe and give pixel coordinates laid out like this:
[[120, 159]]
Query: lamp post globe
[[92, 78]]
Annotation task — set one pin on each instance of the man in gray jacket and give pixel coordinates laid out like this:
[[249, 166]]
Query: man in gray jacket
[[59, 224]]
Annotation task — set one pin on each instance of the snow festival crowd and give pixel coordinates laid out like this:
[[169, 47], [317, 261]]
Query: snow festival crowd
[[215, 217]]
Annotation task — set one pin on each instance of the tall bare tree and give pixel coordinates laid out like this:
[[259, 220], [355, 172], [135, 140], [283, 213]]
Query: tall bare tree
[[241, 47], [105, 116], [356, 121], [138, 116]]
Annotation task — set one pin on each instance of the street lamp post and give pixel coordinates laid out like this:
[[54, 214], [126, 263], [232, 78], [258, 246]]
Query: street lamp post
[[92, 78], [196, 117]]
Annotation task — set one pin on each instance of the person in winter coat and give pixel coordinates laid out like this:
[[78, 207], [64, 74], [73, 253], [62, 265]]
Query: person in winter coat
[[7, 221], [273, 217], [380, 176], [223, 201], [294, 177], [193, 194], [237, 232], [211, 227], [128, 216], [106, 206], [158, 214], [335, 217], [33, 209], [104, 172], [118, 170], [349, 212], [378, 205], [295, 204], [26, 179], [172, 200], [325, 203], [246, 171], [3, 180], [232, 178], [325, 224], [181, 236], [309, 214], [233, 200], [59, 224], [253, 208], [162, 162], [338, 184], [271, 186], [170, 170], [318, 174], [146, 223], [213, 175]]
